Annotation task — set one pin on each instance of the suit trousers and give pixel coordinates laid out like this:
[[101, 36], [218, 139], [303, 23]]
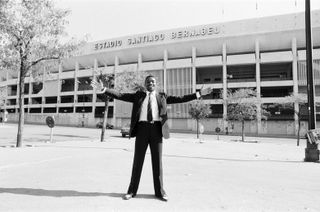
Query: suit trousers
[[148, 134]]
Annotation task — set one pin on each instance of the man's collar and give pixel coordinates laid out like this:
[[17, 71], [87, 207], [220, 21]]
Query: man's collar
[[152, 93]]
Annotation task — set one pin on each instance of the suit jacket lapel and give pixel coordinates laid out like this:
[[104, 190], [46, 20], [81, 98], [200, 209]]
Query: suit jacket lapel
[[159, 103], [140, 101], [162, 105]]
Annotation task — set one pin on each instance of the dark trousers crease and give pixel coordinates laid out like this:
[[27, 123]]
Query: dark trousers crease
[[148, 134]]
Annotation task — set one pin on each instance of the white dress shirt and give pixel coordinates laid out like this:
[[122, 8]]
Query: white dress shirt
[[154, 106]]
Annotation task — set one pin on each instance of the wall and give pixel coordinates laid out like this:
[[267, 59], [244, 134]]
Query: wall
[[63, 119], [282, 128]]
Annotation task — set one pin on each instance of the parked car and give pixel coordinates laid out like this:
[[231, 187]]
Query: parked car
[[125, 130], [109, 126]]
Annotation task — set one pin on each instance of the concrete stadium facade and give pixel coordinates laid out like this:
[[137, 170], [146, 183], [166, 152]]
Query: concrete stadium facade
[[267, 54]]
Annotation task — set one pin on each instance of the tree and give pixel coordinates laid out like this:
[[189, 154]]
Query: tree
[[2, 95], [198, 111], [131, 81], [31, 34], [288, 102], [108, 81], [242, 105], [4, 4], [2, 99], [126, 81]]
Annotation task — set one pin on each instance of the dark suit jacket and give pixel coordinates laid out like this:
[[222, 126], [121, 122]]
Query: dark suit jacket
[[137, 100]]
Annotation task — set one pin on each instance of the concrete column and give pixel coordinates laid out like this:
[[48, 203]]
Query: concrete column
[[29, 94], [295, 80], [6, 87], [258, 86], [224, 84], [165, 60], [75, 85], [193, 63], [116, 66], [43, 97], [18, 93], [258, 75], [116, 62], [94, 93], [139, 62], [18, 80], [59, 86]]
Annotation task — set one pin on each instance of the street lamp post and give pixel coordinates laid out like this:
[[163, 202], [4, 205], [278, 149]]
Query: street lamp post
[[83, 104], [311, 152], [310, 75]]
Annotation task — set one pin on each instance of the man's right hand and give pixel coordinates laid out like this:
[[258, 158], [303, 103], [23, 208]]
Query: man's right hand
[[98, 86]]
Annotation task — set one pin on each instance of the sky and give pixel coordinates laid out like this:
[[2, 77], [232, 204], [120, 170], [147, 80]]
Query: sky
[[106, 19]]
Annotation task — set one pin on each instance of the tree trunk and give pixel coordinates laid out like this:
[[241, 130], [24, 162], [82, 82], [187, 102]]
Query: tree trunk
[[299, 126], [105, 119], [242, 130], [197, 128], [21, 109]]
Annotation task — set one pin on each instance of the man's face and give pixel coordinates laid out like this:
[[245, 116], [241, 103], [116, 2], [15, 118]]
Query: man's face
[[150, 84]]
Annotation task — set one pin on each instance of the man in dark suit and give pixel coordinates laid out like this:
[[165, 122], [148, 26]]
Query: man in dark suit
[[148, 125]]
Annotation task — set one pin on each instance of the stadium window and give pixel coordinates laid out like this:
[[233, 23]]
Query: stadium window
[[276, 71], [36, 87], [83, 109], [35, 110], [99, 112], [67, 85], [51, 100], [49, 110], [66, 110], [67, 99]]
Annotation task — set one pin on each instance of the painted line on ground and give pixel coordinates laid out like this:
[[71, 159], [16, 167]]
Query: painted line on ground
[[32, 163]]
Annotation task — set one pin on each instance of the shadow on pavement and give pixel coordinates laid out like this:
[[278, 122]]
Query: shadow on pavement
[[67, 193], [56, 193], [35, 139], [120, 136], [67, 135], [233, 159], [92, 147], [145, 196]]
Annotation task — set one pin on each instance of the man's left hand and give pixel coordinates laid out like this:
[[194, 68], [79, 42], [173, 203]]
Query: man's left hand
[[205, 91]]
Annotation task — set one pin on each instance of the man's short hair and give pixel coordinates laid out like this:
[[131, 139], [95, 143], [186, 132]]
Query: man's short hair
[[149, 76]]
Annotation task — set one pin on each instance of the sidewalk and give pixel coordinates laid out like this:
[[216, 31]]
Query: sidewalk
[[79, 173]]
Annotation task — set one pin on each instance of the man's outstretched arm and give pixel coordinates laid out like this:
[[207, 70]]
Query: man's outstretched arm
[[187, 98], [101, 89]]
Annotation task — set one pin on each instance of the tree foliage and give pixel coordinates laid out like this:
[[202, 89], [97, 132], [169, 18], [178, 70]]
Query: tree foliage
[[198, 110], [288, 102], [32, 32], [4, 4], [107, 80], [126, 81], [130, 81], [243, 105], [2, 96]]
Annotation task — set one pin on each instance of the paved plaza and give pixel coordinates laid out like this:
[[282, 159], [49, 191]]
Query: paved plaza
[[78, 173]]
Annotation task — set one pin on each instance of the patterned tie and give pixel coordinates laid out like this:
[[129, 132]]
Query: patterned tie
[[149, 113]]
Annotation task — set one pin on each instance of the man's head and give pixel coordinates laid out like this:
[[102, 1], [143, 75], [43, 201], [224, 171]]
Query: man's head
[[150, 83]]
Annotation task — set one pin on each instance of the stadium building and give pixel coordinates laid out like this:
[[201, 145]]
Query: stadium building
[[267, 54]]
